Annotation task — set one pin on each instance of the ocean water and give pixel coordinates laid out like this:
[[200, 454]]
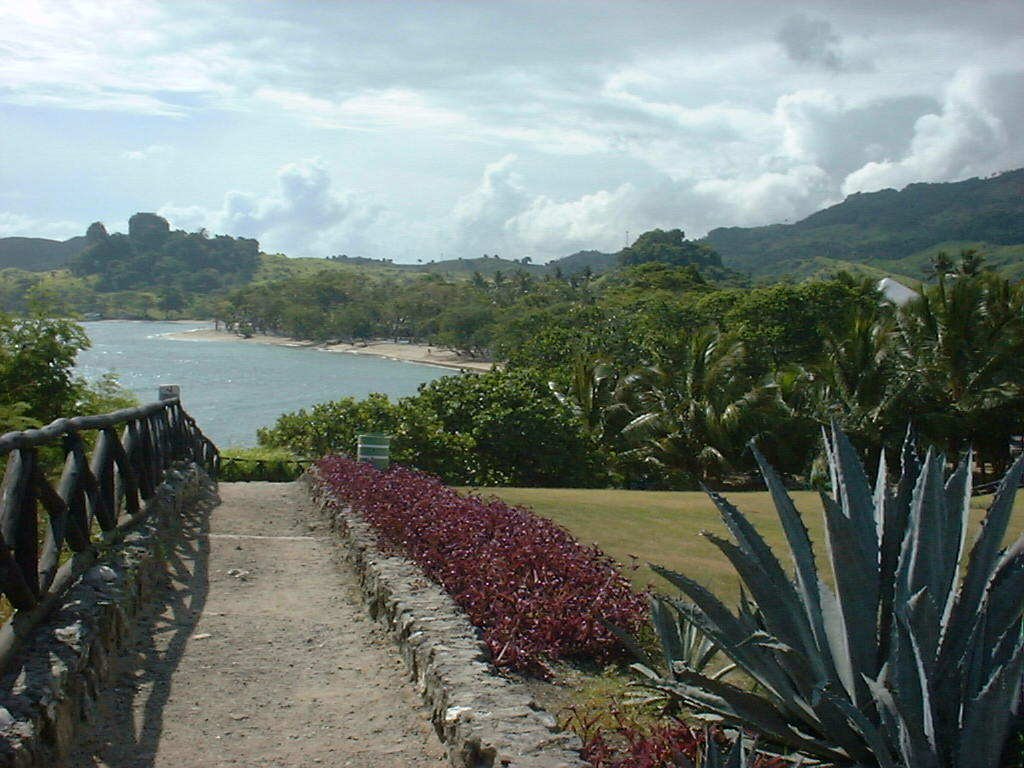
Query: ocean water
[[230, 388]]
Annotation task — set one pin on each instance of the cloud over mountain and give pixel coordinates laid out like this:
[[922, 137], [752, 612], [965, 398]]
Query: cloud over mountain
[[525, 129], [305, 213]]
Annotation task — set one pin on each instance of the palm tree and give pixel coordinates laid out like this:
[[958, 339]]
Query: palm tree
[[855, 382], [961, 349], [941, 265], [590, 394], [696, 413], [971, 262]]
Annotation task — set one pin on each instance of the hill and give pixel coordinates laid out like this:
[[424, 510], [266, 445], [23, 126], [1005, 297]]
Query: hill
[[889, 230], [37, 254], [486, 266], [873, 234], [174, 262], [578, 262]]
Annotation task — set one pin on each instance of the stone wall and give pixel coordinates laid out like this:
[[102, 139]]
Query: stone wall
[[53, 687], [484, 719]]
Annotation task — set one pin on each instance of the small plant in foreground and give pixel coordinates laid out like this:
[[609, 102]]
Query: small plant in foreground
[[536, 593], [671, 743], [908, 663], [274, 465]]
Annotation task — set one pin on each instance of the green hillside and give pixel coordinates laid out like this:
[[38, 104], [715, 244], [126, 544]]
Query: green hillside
[[578, 262], [277, 266], [37, 254], [486, 266], [888, 233], [889, 230]]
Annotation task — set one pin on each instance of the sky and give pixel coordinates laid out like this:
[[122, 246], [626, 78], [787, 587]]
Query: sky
[[428, 130]]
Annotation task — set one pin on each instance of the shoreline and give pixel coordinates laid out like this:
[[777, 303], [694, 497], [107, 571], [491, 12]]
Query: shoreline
[[421, 354]]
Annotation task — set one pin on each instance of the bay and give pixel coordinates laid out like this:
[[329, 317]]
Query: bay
[[231, 388]]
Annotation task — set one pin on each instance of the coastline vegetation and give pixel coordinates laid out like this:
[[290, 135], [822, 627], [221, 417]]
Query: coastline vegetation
[[665, 377]]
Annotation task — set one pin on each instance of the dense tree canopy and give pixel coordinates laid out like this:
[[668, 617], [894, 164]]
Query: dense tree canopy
[[655, 374], [669, 247], [669, 375], [152, 255]]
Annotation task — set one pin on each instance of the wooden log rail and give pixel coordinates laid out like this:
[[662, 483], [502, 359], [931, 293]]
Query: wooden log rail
[[133, 448]]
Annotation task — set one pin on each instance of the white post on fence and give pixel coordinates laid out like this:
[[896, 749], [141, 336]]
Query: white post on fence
[[168, 391]]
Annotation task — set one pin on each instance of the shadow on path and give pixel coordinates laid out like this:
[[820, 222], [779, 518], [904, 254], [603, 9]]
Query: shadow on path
[[126, 733], [258, 653]]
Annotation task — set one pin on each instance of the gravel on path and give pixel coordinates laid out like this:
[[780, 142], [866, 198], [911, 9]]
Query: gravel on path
[[257, 652]]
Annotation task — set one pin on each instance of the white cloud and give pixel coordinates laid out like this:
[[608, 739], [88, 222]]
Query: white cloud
[[620, 116], [769, 197], [597, 220], [821, 128], [389, 108], [152, 152], [117, 55], [973, 134], [478, 219], [501, 215], [304, 216], [18, 225]]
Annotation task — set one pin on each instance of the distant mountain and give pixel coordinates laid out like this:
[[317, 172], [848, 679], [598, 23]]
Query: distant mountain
[[874, 233], [888, 230], [37, 254], [578, 262]]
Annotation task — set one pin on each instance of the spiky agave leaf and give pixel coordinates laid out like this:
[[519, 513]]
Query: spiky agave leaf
[[907, 664], [682, 641]]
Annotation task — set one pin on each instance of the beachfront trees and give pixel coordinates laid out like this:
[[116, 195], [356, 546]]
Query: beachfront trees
[[783, 359], [37, 357], [37, 378]]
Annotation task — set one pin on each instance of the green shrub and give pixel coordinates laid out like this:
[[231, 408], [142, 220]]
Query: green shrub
[[499, 428], [274, 465]]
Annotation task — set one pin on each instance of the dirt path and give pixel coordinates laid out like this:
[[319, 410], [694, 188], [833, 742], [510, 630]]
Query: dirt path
[[259, 654]]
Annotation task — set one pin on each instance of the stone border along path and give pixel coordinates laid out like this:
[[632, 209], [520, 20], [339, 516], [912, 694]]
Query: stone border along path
[[485, 719], [256, 651]]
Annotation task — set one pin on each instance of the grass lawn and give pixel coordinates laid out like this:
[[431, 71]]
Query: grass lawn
[[663, 527]]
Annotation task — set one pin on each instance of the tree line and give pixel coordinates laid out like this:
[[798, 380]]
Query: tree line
[[664, 376]]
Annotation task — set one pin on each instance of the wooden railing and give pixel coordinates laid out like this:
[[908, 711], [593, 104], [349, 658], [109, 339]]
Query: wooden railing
[[131, 451]]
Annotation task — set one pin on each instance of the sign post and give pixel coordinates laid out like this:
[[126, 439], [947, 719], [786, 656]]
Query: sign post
[[169, 391]]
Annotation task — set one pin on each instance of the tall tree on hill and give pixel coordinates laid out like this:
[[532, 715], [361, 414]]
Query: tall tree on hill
[[669, 247], [971, 262], [148, 231]]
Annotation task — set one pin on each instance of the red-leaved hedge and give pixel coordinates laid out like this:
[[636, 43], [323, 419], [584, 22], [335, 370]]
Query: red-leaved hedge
[[536, 593]]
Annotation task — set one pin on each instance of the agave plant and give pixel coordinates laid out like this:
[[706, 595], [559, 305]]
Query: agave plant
[[683, 644], [717, 756], [913, 660]]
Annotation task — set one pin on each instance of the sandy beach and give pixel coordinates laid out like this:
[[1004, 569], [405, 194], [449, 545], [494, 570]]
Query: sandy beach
[[410, 353]]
